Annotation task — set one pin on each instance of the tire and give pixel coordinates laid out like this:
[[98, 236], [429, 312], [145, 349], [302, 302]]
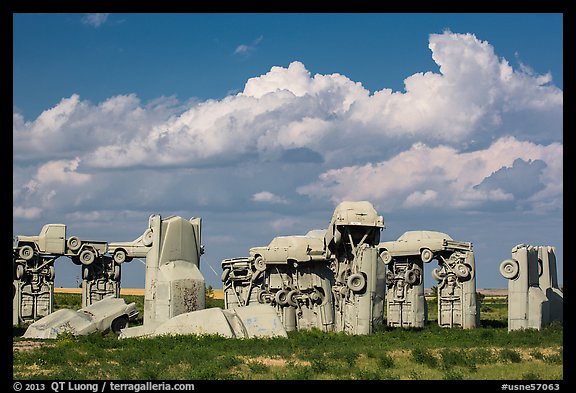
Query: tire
[[26, 252], [261, 297], [19, 271], [51, 273], [86, 273], [148, 237], [341, 277], [260, 264], [436, 275], [509, 269], [462, 271], [410, 277], [120, 256], [281, 297], [386, 257], [356, 282], [87, 257], [225, 274], [426, 255], [317, 296], [117, 273], [73, 243], [290, 298], [119, 323], [540, 267]]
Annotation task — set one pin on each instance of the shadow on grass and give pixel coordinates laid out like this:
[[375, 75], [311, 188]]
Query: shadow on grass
[[491, 323], [18, 331]]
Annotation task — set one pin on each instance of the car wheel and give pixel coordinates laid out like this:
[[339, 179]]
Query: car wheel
[[262, 296], [147, 237], [117, 273], [26, 252], [356, 282], [86, 273], [87, 257], [51, 273], [462, 271], [426, 255], [410, 277], [225, 274], [281, 297], [73, 243], [437, 275], [317, 296], [540, 267], [291, 299], [386, 257], [119, 256], [509, 268], [260, 264], [119, 323], [19, 271]]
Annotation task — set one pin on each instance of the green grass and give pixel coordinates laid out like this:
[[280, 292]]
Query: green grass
[[488, 352]]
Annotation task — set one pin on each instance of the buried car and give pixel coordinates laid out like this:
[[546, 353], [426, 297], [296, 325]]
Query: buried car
[[257, 320], [107, 314]]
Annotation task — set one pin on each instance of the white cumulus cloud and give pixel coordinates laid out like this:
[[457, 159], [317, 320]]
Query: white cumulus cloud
[[442, 177], [266, 196], [475, 98], [432, 145]]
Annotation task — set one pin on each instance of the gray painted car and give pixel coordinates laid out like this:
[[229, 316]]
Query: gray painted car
[[429, 244], [107, 314]]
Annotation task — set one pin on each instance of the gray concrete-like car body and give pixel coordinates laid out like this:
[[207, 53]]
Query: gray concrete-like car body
[[291, 274], [534, 299], [125, 251], [328, 279], [456, 276], [100, 279], [107, 314], [174, 283], [52, 241], [33, 265], [548, 281], [289, 249], [258, 320], [427, 243], [351, 241]]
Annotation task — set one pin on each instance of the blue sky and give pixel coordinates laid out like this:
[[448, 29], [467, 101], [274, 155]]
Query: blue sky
[[261, 123]]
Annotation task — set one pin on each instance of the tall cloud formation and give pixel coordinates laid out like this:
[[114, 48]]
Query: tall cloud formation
[[449, 139], [441, 177]]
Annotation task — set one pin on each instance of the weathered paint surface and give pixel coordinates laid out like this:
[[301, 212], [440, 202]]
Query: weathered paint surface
[[98, 316], [246, 322], [174, 283], [534, 300], [332, 279]]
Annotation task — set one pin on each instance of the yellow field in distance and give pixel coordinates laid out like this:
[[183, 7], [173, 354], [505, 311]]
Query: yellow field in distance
[[218, 293]]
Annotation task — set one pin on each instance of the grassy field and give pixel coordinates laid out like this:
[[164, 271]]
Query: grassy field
[[488, 352]]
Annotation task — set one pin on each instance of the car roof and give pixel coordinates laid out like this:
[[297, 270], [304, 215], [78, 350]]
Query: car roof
[[420, 235]]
